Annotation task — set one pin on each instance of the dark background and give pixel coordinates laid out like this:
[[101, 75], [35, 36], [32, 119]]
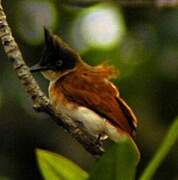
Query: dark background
[[146, 54]]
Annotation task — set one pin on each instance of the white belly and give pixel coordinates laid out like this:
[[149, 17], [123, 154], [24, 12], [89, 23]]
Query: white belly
[[92, 122]]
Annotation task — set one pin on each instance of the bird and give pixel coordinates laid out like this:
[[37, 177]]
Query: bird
[[83, 92]]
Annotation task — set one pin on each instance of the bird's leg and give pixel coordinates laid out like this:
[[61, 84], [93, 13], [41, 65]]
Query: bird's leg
[[100, 139]]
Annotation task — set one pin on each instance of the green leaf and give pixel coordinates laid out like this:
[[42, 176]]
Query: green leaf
[[165, 147], [4, 178], [118, 163], [56, 167]]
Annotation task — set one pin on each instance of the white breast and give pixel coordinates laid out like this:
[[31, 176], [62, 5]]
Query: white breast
[[92, 122]]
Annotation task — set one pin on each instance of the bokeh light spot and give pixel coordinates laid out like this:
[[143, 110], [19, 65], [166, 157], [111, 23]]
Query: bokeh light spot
[[32, 16], [101, 26]]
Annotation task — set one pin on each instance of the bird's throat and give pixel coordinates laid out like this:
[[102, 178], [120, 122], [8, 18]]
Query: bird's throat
[[51, 75], [55, 75]]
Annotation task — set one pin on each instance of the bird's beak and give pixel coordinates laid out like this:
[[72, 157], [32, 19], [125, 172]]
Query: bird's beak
[[37, 68]]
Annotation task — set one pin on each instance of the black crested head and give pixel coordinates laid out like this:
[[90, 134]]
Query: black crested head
[[57, 55]]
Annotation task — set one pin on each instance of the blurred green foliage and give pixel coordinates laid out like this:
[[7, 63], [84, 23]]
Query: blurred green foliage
[[56, 167], [118, 163], [162, 152], [147, 58]]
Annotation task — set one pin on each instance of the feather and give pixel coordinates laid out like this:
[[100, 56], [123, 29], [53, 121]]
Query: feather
[[90, 89]]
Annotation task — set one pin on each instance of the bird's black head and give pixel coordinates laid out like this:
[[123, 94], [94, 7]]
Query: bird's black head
[[57, 55]]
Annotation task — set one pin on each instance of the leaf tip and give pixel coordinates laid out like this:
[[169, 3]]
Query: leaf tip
[[40, 153]]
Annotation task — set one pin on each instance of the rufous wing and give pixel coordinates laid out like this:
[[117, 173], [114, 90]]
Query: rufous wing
[[100, 96]]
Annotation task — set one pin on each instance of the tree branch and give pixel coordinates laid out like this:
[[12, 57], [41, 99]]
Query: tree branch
[[39, 99]]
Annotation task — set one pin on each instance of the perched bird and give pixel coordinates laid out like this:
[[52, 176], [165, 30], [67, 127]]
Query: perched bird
[[83, 92]]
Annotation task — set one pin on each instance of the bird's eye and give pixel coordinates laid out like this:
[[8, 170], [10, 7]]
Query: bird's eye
[[59, 63]]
